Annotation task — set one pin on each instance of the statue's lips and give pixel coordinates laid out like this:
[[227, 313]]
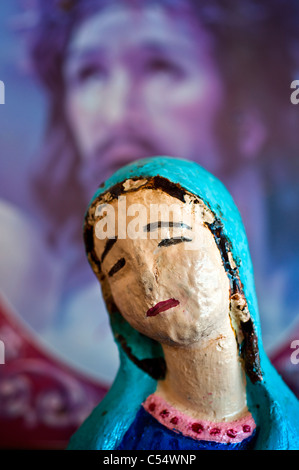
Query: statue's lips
[[162, 307]]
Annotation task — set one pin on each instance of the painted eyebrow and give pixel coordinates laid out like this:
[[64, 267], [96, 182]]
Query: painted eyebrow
[[154, 225], [117, 266], [173, 241], [109, 244]]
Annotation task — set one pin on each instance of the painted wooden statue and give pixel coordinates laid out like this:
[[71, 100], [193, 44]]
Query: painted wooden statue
[[168, 246]]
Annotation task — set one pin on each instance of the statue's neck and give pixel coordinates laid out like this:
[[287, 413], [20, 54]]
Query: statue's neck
[[206, 380]]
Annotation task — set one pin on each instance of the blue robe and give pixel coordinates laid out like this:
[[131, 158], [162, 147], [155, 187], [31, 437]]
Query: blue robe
[[146, 433]]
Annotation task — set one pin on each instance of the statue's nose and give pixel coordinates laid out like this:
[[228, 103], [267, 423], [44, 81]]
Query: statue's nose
[[148, 280]]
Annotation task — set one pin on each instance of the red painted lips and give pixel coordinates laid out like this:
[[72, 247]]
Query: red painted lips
[[162, 307]]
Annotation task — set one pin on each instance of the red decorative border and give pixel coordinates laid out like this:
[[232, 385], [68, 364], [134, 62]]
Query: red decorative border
[[224, 432], [42, 400]]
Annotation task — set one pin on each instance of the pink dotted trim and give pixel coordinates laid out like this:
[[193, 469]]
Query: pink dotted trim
[[225, 432]]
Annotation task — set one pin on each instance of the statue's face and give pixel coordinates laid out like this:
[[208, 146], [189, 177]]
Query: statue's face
[[142, 82], [168, 283]]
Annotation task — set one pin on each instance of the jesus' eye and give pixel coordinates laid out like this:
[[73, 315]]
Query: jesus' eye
[[163, 65]]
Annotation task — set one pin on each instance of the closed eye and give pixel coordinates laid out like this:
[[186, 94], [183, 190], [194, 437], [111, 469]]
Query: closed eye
[[117, 267], [173, 241], [162, 65], [79, 71]]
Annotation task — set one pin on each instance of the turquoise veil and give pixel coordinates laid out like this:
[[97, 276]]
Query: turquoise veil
[[273, 406]]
